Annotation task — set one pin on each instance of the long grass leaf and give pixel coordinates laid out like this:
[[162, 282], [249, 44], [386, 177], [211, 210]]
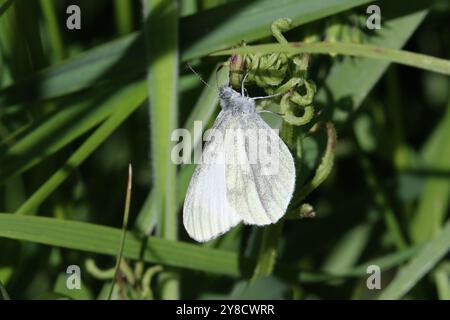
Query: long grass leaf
[[199, 35], [103, 240], [124, 230], [435, 197], [419, 266], [86, 149], [408, 58], [163, 55]]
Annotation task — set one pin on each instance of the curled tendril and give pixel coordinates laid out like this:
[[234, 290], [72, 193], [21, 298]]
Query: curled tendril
[[146, 281], [288, 112], [279, 73], [137, 282]]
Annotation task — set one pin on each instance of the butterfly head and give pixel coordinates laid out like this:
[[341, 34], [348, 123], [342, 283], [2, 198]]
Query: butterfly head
[[231, 99]]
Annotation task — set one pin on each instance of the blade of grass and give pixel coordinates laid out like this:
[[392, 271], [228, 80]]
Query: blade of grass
[[102, 240], [124, 231], [22, 150], [199, 35], [162, 51], [20, 39], [162, 78], [430, 254], [381, 200], [123, 13], [346, 85], [51, 133], [268, 251], [3, 293], [86, 149], [348, 249], [4, 5], [435, 198], [385, 263], [442, 279], [408, 58], [231, 22], [52, 27]]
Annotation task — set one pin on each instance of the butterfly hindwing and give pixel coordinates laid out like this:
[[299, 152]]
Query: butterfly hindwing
[[260, 182]]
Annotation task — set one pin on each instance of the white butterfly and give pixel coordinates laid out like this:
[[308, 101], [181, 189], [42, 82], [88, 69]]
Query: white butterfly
[[235, 182]]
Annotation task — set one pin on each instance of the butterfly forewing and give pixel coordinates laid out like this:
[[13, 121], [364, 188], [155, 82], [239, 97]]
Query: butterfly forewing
[[206, 212]]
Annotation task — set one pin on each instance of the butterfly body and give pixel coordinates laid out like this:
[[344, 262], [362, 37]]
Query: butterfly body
[[236, 181]]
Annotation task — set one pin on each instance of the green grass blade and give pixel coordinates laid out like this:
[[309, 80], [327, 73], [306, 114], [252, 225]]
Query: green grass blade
[[123, 13], [20, 39], [4, 5], [86, 149], [442, 279], [124, 231], [431, 253], [53, 29], [47, 136], [435, 197], [162, 49], [84, 71], [199, 35], [408, 58], [346, 86], [251, 21], [348, 249], [104, 240], [3, 293], [385, 263], [162, 78]]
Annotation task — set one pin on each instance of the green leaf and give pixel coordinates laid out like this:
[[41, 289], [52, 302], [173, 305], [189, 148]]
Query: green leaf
[[346, 86], [124, 230], [408, 58], [3, 293], [61, 291], [385, 263], [162, 50], [250, 20], [105, 240], [86, 149], [20, 39], [200, 34], [124, 16], [44, 137], [53, 29], [435, 197], [5, 4], [430, 254]]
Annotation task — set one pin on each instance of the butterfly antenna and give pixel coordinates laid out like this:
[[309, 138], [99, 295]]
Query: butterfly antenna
[[268, 97], [197, 74], [242, 84], [269, 111]]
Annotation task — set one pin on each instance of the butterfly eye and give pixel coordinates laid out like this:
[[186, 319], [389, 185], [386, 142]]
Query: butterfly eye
[[225, 93]]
